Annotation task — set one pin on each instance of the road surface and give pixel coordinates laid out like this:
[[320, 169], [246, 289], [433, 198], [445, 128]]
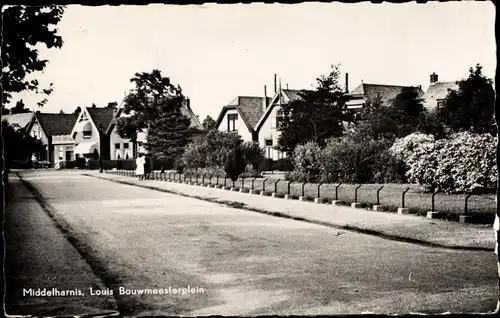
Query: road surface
[[237, 262]]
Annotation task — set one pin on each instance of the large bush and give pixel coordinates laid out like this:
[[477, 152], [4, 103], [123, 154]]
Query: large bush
[[235, 163], [253, 153], [307, 162], [463, 163], [357, 159]]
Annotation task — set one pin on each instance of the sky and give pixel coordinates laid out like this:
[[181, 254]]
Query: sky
[[217, 52]]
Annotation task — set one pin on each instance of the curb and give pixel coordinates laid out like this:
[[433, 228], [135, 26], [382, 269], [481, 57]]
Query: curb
[[286, 216]]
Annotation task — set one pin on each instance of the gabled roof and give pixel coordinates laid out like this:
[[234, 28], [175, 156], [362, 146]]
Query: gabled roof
[[439, 90], [250, 109], [286, 95], [56, 124], [185, 110], [386, 92], [101, 116], [19, 120]]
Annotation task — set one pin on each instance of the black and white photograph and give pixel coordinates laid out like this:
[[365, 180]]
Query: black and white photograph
[[316, 158]]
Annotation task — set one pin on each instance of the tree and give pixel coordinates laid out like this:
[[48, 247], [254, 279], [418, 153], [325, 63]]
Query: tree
[[28, 27], [208, 123], [112, 105], [405, 115], [316, 116], [154, 106], [235, 163], [77, 111], [19, 108], [471, 107]]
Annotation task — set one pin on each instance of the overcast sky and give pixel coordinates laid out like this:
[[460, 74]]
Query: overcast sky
[[216, 52]]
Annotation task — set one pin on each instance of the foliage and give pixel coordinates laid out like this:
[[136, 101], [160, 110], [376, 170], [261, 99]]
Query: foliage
[[266, 164], [471, 107], [208, 123], [284, 164], [16, 146], [316, 116], [19, 108], [357, 159], [307, 161], [28, 27], [235, 163], [154, 106], [253, 153], [463, 163], [211, 150], [405, 115]]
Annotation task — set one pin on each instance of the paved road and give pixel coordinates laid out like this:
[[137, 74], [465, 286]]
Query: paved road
[[248, 263]]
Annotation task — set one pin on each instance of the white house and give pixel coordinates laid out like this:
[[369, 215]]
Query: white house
[[241, 115], [89, 132], [267, 126], [436, 93]]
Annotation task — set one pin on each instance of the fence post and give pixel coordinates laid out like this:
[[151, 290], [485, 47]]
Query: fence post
[[202, 179], [253, 180], [319, 186], [432, 202], [242, 182], [378, 194], [337, 191], [403, 197], [264, 185], [356, 193], [276, 186], [217, 180], [466, 202], [303, 184], [289, 183], [225, 181]]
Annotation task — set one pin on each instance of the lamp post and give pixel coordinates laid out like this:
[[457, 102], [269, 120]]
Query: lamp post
[[100, 148]]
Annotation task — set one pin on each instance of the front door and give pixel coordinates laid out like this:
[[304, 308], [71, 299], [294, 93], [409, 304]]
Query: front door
[[69, 155]]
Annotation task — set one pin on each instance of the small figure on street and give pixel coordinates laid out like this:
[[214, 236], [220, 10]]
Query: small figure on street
[[139, 170], [33, 161]]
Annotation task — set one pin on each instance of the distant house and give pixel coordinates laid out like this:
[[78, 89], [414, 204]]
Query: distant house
[[124, 148], [436, 93], [241, 115], [89, 132], [369, 92], [267, 126], [19, 121], [54, 131]]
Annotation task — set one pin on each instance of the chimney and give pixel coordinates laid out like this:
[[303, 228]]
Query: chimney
[[420, 87], [286, 85], [347, 83], [275, 88], [434, 78], [264, 101], [188, 103]]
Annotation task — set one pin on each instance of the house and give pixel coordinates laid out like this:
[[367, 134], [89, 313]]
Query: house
[[369, 92], [19, 121], [90, 132], [54, 132], [123, 148], [242, 114], [437, 92], [266, 127]]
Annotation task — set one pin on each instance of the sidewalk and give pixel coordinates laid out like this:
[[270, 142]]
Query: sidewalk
[[39, 256], [402, 227]]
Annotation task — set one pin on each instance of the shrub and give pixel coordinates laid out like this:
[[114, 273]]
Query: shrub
[[235, 163], [253, 153], [463, 163], [284, 164], [307, 161], [265, 164]]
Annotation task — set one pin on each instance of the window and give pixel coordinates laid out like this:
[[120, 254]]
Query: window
[[117, 146], [231, 122], [87, 134], [279, 118], [125, 145], [440, 103], [269, 142], [139, 143]]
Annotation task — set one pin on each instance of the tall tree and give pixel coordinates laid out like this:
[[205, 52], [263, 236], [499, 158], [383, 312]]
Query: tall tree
[[20, 108], [316, 116], [28, 27], [471, 107], [154, 106], [208, 123]]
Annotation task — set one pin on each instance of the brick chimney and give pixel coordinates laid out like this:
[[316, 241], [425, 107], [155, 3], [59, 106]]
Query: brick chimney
[[434, 78], [264, 100], [346, 83], [188, 103]]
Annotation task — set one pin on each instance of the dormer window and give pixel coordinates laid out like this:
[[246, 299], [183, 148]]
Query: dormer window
[[231, 122]]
